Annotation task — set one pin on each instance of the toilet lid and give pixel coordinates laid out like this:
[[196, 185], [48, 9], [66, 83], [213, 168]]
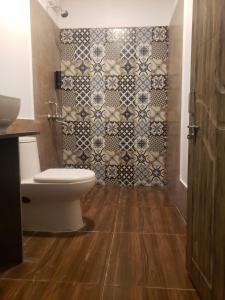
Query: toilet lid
[[64, 175]]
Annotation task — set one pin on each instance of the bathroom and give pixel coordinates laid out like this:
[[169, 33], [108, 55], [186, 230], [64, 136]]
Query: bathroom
[[111, 143]]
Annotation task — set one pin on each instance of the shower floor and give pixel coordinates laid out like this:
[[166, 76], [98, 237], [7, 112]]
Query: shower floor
[[132, 248]]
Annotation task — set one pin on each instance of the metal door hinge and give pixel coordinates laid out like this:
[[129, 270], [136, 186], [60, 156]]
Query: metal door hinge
[[193, 130]]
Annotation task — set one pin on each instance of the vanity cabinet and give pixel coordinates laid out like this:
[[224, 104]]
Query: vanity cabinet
[[11, 250]]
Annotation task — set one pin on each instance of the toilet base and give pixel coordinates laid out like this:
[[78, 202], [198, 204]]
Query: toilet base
[[57, 218]]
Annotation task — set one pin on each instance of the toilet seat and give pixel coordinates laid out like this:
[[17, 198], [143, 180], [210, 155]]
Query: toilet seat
[[64, 176]]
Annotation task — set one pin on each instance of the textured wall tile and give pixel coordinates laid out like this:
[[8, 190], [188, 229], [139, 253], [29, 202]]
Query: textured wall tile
[[114, 102]]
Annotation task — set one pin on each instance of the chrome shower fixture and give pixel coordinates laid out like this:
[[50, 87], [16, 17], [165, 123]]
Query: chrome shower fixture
[[52, 4]]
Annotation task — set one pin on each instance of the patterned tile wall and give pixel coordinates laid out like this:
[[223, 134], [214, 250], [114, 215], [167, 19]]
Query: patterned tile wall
[[114, 103]]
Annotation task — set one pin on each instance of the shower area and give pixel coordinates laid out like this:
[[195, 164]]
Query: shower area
[[114, 103]]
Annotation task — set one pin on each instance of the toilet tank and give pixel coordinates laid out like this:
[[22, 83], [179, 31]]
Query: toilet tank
[[29, 157]]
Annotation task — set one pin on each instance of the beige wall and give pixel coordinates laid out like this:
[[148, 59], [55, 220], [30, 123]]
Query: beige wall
[[45, 60], [174, 106]]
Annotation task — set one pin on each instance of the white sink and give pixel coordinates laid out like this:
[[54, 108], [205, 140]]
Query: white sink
[[9, 110]]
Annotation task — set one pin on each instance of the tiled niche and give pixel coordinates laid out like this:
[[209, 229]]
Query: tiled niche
[[114, 84]]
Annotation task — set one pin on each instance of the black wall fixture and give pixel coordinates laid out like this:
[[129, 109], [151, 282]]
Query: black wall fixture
[[58, 75]]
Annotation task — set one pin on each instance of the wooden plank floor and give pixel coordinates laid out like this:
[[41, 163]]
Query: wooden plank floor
[[132, 248]]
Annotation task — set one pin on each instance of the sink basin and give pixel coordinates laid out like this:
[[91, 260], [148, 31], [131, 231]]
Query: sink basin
[[9, 110]]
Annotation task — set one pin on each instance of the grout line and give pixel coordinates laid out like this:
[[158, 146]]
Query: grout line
[[153, 287], [94, 284], [150, 233], [182, 217], [110, 249]]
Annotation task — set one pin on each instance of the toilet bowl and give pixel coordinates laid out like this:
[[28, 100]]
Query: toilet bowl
[[50, 199]]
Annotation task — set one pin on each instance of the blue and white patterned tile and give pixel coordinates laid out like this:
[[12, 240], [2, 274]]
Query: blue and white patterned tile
[[158, 129], [112, 83], [67, 51], [97, 52], [97, 83], [99, 170], [69, 157], [69, 98], [141, 144], [157, 114], [160, 50], [112, 67], [81, 36], [128, 51], [112, 172], [160, 34], [144, 35], [127, 98], [127, 83], [112, 50], [112, 128], [143, 67], [83, 98], [143, 99], [127, 113], [68, 83], [159, 82], [112, 98], [158, 67], [98, 35], [159, 98], [112, 158], [97, 100], [126, 175], [115, 98], [98, 128], [142, 128], [127, 157], [67, 36], [143, 83], [115, 34], [82, 52], [81, 83], [82, 67], [128, 66]]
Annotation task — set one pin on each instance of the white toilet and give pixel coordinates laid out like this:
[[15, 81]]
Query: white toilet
[[50, 199]]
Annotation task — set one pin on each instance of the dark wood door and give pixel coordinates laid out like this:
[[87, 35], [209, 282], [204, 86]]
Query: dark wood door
[[206, 192]]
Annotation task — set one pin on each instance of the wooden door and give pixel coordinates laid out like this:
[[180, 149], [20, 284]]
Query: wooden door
[[206, 182]]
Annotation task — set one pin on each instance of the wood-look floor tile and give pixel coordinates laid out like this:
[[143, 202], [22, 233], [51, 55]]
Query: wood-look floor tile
[[36, 290], [137, 293], [145, 196], [102, 195], [77, 259], [160, 220], [148, 260], [99, 208], [19, 290], [35, 248]]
